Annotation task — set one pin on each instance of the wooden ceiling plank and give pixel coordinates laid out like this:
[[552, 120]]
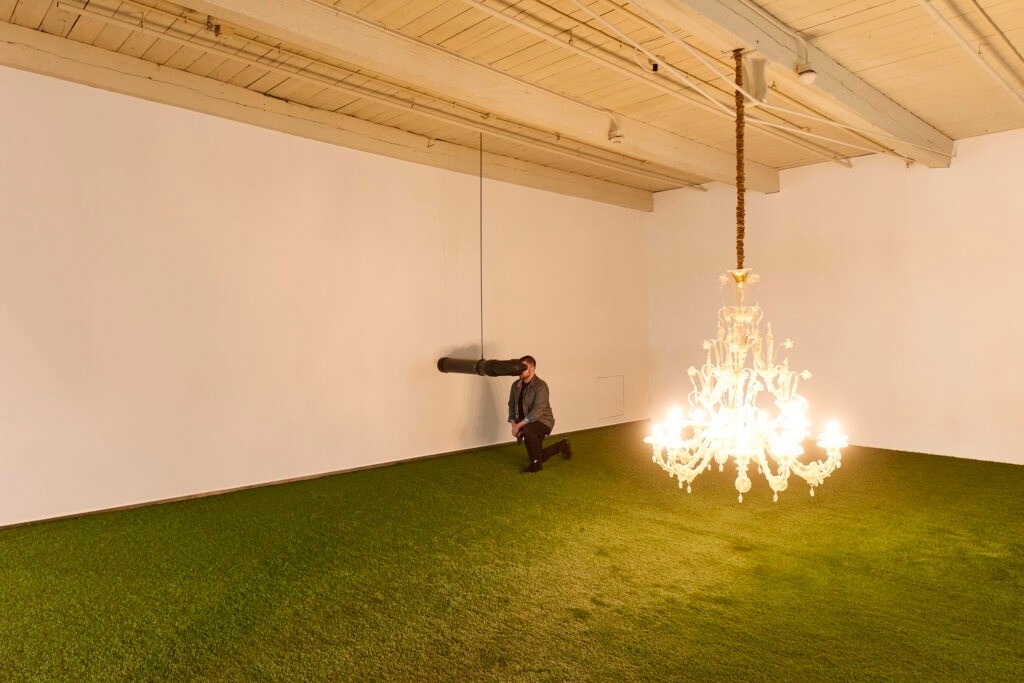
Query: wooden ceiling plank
[[495, 45], [605, 81], [224, 70], [885, 33], [846, 89], [479, 30], [565, 21], [38, 52], [331, 100], [56, 21], [353, 5], [538, 50], [315, 97], [29, 13], [268, 82], [137, 44], [231, 68], [446, 31], [161, 51], [378, 9], [85, 30], [112, 37], [405, 60], [500, 46], [411, 122], [186, 56], [436, 17], [406, 13], [412, 10], [7, 9], [575, 75], [358, 107], [249, 75], [813, 19], [553, 62], [295, 90]]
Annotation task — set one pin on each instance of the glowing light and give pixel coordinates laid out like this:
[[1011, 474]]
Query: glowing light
[[745, 407]]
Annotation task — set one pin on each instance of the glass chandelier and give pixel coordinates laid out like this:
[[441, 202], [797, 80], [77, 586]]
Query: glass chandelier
[[744, 405]]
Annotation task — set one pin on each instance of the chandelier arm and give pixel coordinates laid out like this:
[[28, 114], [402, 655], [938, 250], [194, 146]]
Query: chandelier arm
[[815, 472], [778, 482]]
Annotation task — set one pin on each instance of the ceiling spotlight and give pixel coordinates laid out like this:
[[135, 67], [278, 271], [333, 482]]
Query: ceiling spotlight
[[806, 73]]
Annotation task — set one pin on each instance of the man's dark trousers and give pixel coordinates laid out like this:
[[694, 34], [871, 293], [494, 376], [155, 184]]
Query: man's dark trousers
[[533, 434]]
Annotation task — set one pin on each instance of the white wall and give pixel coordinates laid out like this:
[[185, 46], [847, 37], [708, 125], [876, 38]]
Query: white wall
[[188, 304], [901, 288]]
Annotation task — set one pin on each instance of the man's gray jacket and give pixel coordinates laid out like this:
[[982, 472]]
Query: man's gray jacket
[[535, 402]]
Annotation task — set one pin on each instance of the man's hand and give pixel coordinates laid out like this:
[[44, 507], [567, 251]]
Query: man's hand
[[515, 429]]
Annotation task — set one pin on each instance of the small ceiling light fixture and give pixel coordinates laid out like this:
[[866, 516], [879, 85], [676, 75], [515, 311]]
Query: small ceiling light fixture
[[806, 73], [744, 404], [615, 134]]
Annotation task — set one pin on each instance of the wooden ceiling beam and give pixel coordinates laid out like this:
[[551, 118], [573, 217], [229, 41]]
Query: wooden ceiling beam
[[340, 35], [41, 53], [852, 100]]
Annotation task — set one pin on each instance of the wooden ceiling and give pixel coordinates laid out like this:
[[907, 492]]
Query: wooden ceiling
[[562, 94]]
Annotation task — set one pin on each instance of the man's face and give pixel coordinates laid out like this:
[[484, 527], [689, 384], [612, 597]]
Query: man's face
[[527, 374]]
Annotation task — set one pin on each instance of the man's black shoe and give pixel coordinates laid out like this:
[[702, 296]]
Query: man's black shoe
[[534, 467], [567, 450]]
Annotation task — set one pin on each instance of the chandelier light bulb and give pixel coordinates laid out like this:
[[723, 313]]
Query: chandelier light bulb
[[745, 407], [832, 437]]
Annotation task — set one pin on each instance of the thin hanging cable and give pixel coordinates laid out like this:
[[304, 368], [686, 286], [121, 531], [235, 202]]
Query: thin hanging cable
[[481, 243], [741, 227]]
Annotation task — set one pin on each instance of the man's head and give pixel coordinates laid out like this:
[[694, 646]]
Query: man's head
[[531, 365]]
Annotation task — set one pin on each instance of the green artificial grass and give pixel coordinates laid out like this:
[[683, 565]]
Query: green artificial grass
[[902, 567]]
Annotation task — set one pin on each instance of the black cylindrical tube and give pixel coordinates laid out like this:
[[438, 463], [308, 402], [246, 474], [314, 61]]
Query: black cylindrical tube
[[491, 368]]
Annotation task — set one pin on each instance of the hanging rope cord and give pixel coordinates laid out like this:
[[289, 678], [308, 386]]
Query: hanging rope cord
[[741, 227], [481, 243]]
